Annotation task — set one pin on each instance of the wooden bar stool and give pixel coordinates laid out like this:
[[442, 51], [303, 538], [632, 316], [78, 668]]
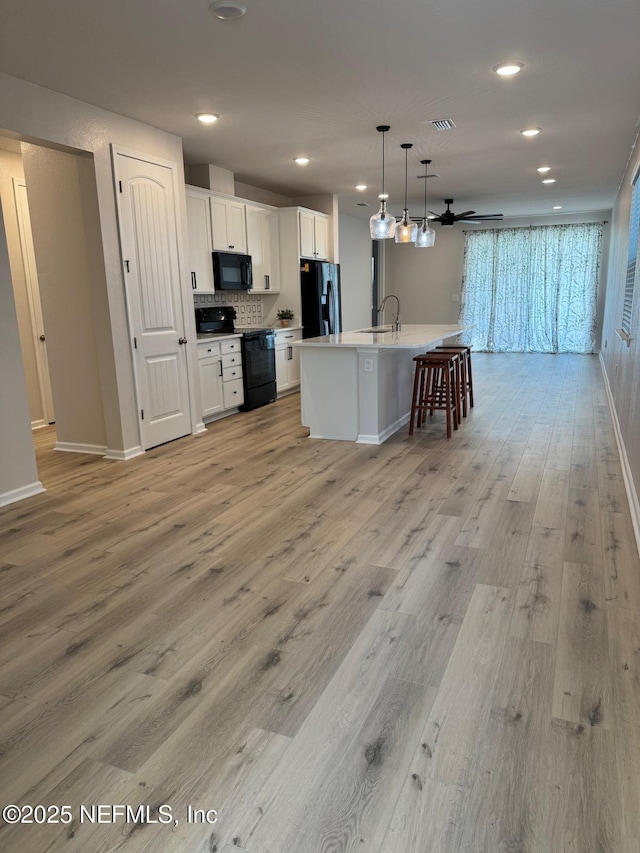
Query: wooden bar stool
[[465, 370], [434, 388]]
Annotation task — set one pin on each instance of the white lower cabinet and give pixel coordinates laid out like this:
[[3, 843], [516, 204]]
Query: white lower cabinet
[[221, 387], [287, 360]]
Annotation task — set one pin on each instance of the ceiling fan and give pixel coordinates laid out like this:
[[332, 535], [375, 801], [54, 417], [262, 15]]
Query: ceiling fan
[[448, 217]]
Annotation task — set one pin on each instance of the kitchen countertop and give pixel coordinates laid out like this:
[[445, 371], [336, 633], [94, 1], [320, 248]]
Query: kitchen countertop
[[216, 336], [383, 337]]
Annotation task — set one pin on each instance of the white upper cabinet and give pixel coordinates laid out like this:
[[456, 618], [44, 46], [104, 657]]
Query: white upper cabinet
[[229, 225], [314, 235], [200, 245], [262, 245]]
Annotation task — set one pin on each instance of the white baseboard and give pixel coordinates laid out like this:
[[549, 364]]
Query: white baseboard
[[124, 455], [384, 435], [21, 493], [200, 427], [76, 447], [632, 494]]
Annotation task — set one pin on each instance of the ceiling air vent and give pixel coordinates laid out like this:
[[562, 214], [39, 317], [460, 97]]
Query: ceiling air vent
[[442, 124]]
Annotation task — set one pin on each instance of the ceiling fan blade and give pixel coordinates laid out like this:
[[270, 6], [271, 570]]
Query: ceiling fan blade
[[482, 216], [462, 215]]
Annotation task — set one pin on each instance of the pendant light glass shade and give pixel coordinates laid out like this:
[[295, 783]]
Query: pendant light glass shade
[[426, 235], [406, 230], [382, 225]]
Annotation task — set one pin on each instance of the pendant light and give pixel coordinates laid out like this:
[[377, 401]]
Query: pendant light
[[406, 231], [426, 235], [382, 225]]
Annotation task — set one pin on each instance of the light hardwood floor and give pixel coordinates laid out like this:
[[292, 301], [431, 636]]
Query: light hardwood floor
[[430, 646]]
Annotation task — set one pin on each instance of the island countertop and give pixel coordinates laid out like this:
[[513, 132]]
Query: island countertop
[[357, 386], [384, 337]]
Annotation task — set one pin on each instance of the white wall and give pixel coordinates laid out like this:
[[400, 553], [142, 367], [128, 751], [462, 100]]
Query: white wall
[[622, 362], [10, 168], [18, 471], [63, 208], [428, 281], [355, 272], [425, 279]]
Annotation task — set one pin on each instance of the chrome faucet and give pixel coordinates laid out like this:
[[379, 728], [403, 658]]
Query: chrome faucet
[[396, 323]]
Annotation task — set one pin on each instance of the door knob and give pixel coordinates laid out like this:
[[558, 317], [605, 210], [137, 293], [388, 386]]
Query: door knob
[[182, 340], [42, 337]]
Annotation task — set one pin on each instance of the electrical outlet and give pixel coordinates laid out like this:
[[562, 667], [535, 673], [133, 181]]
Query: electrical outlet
[[368, 365]]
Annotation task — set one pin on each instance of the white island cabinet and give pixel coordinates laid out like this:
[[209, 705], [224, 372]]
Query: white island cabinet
[[357, 386]]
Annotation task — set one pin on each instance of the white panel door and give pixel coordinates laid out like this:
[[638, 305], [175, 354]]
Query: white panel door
[[148, 235], [33, 298]]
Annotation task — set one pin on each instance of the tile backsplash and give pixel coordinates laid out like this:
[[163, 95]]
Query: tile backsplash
[[250, 310]]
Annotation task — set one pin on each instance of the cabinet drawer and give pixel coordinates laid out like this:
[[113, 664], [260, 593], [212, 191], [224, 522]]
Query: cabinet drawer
[[230, 346], [231, 359], [208, 350], [231, 373], [287, 336], [233, 393]]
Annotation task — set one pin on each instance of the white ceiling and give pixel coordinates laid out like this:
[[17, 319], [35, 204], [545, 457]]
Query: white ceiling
[[315, 77]]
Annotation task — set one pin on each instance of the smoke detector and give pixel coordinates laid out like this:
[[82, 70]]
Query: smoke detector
[[228, 10]]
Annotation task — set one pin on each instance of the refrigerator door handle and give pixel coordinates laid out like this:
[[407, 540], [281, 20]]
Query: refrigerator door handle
[[331, 306]]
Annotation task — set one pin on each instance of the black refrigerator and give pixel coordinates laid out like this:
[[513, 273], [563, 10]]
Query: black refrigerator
[[320, 296]]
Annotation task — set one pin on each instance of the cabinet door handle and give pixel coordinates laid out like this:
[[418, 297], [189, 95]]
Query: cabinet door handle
[[289, 353], [42, 338], [267, 284], [220, 366], [193, 280], [182, 340], [232, 247]]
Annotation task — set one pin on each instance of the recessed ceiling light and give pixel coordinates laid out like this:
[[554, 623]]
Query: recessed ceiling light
[[508, 69], [557, 207], [543, 169], [227, 10], [301, 161], [549, 181], [207, 118], [361, 187], [530, 131]]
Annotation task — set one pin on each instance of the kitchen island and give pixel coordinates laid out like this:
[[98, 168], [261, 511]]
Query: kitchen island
[[357, 386]]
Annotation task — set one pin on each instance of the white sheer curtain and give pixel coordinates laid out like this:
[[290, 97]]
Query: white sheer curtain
[[531, 289]]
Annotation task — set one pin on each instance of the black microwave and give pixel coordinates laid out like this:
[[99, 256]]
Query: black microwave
[[232, 271]]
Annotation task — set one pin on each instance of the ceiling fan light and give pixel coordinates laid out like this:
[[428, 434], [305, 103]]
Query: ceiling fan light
[[426, 236], [382, 225], [406, 230]]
